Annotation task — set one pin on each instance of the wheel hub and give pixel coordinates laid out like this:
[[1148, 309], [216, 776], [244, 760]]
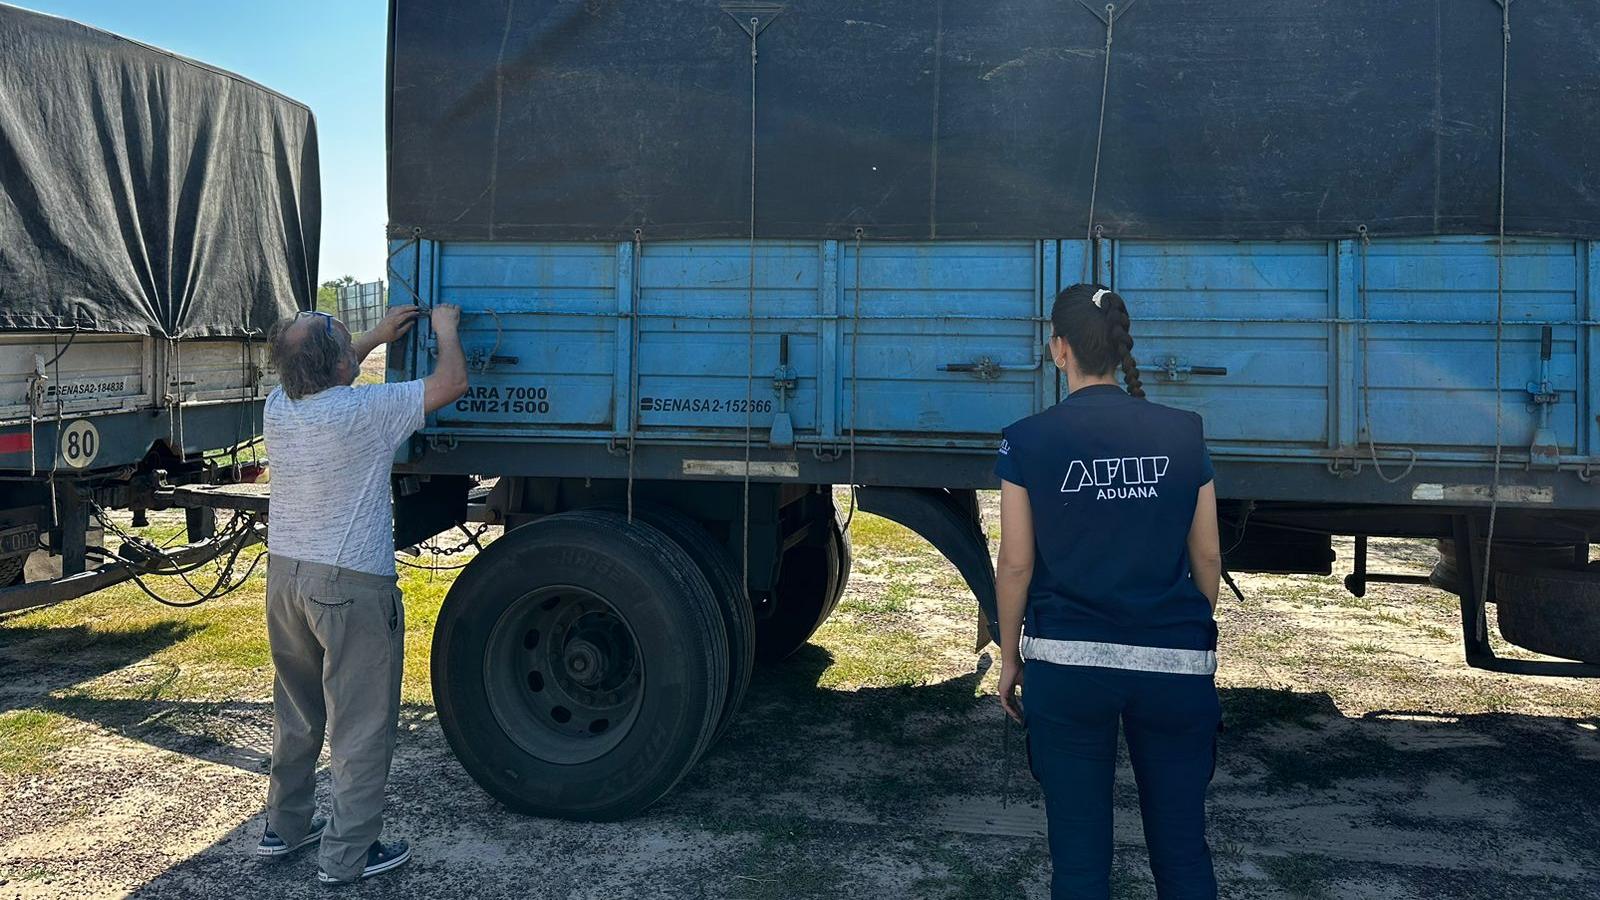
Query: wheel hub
[[583, 662], [563, 674]]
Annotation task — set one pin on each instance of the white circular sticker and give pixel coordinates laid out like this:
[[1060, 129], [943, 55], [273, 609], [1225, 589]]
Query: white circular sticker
[[80, 442]]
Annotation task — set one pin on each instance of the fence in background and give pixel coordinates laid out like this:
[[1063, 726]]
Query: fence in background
[[362, 305]]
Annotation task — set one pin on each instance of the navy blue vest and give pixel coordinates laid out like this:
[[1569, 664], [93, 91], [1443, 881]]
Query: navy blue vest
[[1113, 482]]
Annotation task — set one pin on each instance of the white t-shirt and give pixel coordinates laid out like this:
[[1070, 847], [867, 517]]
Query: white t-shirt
[[330, 455]]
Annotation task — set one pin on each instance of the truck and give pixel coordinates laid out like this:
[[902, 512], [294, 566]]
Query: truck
[[717, 258], [157, 215]]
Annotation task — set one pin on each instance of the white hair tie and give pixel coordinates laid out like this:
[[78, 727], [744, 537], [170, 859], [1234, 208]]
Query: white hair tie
[[1097, 295]]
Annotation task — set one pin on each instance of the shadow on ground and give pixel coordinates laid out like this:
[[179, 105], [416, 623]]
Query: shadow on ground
[[42, 660], [814, 791]]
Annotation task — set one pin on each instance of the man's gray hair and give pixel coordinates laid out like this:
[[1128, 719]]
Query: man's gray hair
[[309, 364]]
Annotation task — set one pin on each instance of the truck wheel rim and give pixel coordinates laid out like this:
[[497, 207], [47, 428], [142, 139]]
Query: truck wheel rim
[[564, 675]]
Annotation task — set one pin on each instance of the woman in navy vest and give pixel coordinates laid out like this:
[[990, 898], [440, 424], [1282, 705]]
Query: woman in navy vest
[[1108, 574]]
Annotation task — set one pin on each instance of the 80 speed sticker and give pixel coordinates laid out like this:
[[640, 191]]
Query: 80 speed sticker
[[80, 443]]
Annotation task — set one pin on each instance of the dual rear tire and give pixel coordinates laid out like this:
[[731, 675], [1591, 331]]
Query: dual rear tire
[[811, 579], [584, 662], [581, 665]]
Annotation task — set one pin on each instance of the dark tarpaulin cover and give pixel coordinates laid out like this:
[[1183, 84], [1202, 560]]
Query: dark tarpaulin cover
[[145, 193], [583, 119]]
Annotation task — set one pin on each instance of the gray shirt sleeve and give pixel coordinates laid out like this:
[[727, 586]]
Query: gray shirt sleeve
[[392, 411]]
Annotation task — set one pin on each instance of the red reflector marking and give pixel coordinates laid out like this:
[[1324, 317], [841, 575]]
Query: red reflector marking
[[18, 442]]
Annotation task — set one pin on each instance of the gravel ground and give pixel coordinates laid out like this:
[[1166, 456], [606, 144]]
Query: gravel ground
[[1362, 760]]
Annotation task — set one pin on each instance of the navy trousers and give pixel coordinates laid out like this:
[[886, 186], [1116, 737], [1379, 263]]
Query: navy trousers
[[1072, 713]]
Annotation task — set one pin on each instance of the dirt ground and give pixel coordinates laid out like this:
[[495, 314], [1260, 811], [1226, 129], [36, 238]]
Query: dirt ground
[[1362, 759]]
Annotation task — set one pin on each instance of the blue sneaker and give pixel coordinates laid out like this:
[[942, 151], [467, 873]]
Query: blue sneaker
[[272, 845], [381, 858]]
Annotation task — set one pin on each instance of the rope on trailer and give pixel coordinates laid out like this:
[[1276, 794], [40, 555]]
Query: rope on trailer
[[750, 358], [55, 453], [855, 379], [175, 404], [1499, 303], [633, 363], [1110, 21], [35, 407], [1366, 379]]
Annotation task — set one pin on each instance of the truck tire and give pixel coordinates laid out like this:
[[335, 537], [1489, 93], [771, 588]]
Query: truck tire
[[11, 570], [1445, 575], [727, 583], [846, 553], [807, 590], [580, 666], [1552, 611]]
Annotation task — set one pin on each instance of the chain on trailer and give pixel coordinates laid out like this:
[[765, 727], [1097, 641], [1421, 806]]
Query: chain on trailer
[[241, 531], [474, 541]]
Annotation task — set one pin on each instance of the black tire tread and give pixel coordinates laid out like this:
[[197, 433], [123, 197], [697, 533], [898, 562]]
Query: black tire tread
[[1551, 611], [727, 583], [642, 549]]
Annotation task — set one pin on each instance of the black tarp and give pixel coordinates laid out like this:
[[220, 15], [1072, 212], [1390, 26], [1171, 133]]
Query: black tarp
[[583, 119], [145, 193]]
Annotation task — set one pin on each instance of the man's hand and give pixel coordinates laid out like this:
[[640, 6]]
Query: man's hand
[[1010, 680], [396, 324], [449, 379], [445, 318]]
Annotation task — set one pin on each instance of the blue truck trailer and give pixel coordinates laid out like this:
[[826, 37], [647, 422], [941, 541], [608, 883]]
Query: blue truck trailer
[[157, 215], [715, 259]]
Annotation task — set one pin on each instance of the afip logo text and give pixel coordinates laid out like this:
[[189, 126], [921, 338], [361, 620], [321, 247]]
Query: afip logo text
[[1117, 479]]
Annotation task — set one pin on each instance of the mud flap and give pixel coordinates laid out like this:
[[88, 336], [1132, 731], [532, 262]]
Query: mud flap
[[949, 521], [427, 505]]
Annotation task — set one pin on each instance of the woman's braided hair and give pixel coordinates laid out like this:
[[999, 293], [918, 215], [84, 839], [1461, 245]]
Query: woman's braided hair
[[1098, 334]]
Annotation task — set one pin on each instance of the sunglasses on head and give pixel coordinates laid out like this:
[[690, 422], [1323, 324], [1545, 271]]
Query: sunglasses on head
[[308, 313]]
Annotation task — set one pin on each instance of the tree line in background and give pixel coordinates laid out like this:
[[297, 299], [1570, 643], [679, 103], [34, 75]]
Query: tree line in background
[[328, 293]]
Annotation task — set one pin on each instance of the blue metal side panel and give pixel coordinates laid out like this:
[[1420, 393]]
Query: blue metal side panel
[[538, 327], [695, 341], [623, 388], [925, 312], [1328, 345], [1346, 333], [1261, 310], [1589, 413], [829, 301], [1430, 373]]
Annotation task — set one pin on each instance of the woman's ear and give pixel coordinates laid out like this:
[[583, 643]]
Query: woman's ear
[[1059, 351]]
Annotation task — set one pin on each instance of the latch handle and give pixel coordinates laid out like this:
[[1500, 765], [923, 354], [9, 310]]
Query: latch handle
[[986, 368], [1173, 369]]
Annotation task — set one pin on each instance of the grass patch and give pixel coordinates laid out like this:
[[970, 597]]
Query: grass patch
[[28, 740], [1247, 709], [781, 865], [886, 538], [1338, 757], [894, 599], [1300, 876], [424, 593], [987, 877], [872, 656]]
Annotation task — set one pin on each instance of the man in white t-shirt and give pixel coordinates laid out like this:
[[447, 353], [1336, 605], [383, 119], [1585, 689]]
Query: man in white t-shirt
[[334, 613]]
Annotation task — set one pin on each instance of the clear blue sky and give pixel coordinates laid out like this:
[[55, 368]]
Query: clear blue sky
[[328, 54]]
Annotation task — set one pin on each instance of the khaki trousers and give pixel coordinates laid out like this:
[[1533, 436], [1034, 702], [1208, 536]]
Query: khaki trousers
[[338, 645]]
